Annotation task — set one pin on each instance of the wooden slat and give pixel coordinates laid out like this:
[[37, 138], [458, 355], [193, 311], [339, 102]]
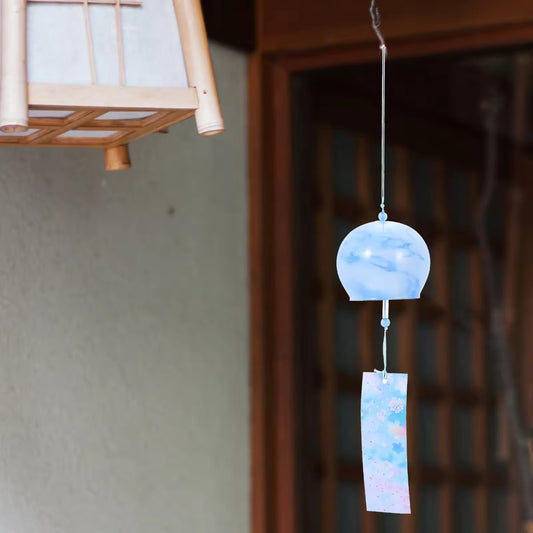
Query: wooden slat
[[96, 142], [121, 124], [90, 44], [166, 120], [439, 264], [47, 136], [129, 3], [72, 122], [51, 96], [523, 164], [297, 25], [284, 366], [120, 44], [45, 123], [261, 486], [479, 334], [325, 331]]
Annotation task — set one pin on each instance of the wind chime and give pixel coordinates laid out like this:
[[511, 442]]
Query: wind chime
[[384, 260]]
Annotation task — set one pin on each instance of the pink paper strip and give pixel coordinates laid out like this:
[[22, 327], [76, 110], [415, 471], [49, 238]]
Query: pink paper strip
[[384, 443]]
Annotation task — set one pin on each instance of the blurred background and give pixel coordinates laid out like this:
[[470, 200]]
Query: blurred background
[[177, 354], [314, 125], [459, 452]]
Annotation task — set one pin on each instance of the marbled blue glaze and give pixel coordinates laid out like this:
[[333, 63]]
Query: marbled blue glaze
[[383, 261]]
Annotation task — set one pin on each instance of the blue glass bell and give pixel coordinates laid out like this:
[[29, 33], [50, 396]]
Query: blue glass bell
[[383, 260]]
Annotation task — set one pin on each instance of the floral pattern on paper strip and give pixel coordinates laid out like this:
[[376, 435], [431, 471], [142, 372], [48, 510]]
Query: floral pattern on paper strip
[[384, 443]]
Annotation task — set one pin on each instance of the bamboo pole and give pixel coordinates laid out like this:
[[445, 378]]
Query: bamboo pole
[[198, 63], [14, 85]]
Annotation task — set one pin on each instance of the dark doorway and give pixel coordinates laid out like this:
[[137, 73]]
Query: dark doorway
[[459, 475]]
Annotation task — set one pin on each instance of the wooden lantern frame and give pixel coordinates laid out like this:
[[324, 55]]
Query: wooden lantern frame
[[165, 105]]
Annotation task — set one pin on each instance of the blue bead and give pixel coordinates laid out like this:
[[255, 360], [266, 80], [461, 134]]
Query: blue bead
[[382, 216], [385, 322]]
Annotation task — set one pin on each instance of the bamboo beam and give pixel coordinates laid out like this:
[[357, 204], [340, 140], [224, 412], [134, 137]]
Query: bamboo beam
[[198, 63], [14, 86]]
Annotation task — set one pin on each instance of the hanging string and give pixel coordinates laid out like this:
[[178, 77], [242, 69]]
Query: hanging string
[[376, 21]]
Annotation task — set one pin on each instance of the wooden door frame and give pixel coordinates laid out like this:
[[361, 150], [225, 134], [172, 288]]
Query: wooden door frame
[[274, 398]]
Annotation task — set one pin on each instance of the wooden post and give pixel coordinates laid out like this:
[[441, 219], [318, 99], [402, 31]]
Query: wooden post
[[117, 157], [198, 63], [14, 86]]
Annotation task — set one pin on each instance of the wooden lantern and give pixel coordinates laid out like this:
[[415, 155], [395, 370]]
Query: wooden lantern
[[102, 73]]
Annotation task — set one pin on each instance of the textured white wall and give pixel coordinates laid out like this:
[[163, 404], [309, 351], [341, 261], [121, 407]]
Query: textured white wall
[[123, 333]]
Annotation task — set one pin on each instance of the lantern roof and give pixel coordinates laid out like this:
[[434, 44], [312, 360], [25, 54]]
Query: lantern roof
[[103, 73]]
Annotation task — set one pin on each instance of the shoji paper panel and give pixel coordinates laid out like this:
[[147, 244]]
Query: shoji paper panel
[[105, 42], [57, 44], [152, 46], [59, 50]]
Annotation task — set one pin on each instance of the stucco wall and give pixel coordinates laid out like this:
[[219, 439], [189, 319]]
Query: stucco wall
[[123, 333]]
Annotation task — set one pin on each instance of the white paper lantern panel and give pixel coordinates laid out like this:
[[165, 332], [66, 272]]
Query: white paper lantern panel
[[75, 43]]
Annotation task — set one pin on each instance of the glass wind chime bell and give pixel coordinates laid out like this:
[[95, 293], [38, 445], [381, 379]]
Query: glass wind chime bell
[[384, 260]]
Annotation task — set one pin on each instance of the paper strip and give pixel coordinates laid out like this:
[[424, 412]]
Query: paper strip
[[384, 442]]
